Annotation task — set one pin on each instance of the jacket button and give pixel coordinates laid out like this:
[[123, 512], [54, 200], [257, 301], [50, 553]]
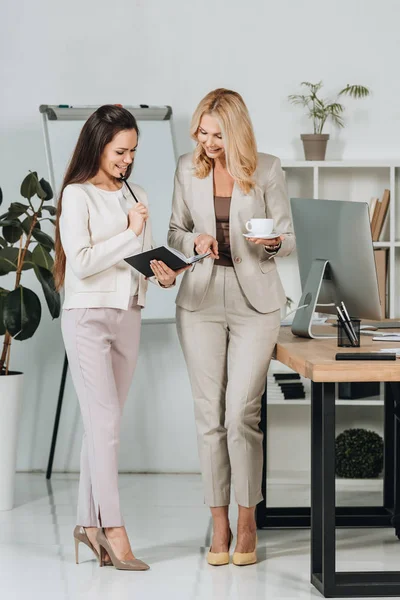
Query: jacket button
[[238, 259]]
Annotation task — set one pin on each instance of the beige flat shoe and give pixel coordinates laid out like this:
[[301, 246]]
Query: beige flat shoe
[[217, 559], [123, 565], [241, 559], [80, 537]]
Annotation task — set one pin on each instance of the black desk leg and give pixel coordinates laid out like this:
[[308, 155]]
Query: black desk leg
[[392, 403], [316, 472], [323, 533], [57, 418], [389, 448], [332, 583]]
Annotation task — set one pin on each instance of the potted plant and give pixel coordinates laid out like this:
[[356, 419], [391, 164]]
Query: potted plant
[[23, 246], [358, 454], [320, 111]]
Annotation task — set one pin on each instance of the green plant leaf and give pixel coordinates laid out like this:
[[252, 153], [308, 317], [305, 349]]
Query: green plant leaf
[[29, 185], [51, 209], [3, 243], [355, 91], [335, 108], [12, 233], [49, 290], [22, 313], [40, 191], [9, 260], [46, 189], [299, 99], [314, 87], [3, 296], [26, 224], [17, 209], [9, 221], [42, 258], [43, 238]]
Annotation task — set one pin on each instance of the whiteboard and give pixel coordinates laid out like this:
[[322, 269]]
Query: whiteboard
[[153, 170]]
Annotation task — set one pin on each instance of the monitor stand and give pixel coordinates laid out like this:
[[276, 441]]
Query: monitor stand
[[302, 322]]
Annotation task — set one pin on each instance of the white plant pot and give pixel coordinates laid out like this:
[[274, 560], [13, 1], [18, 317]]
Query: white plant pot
[[10, 406]]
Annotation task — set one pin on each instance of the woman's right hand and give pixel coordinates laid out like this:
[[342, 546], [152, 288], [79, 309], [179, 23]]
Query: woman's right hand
[[205, 243], [137, 217]]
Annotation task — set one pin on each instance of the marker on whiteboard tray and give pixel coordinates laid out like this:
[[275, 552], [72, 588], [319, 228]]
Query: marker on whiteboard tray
[[75, 106]]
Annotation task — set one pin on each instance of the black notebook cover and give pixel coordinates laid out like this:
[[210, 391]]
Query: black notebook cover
[[141, 262]]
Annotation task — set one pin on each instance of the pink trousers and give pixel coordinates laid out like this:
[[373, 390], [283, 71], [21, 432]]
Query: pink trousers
[[102, 348]]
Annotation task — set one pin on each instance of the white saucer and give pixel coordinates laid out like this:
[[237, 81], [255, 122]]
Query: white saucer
[[270, 236]]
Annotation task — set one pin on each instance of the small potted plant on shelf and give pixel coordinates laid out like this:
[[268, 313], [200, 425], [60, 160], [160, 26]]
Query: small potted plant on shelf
[[23, 246], [358, 454], [320, 111]]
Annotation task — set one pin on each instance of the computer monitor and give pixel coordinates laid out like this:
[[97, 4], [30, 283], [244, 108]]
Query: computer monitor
[[336, 260]]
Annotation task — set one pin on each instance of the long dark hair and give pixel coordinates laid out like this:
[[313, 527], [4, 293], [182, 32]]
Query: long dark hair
[[97, 132]]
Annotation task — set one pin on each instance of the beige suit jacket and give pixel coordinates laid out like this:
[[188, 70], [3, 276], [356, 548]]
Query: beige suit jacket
[[193, 213]]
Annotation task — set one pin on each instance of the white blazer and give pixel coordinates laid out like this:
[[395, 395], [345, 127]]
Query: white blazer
[[193, 213], [96, 239]]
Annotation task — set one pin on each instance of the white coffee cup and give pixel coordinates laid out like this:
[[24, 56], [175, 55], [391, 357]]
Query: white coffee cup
[[260, 226]]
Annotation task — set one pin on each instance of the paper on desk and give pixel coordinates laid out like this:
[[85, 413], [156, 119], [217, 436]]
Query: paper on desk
[[387, 337], [287, 321], [390, 351]]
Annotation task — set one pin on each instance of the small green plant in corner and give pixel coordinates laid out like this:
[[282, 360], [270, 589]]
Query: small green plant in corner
[[25, 246], [358, 454], [320, 110]]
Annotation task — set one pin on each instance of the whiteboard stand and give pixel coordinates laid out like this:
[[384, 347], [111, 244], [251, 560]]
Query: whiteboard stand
[[142, 112]]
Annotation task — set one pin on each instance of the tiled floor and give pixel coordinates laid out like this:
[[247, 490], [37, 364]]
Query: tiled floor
[[169, 528]]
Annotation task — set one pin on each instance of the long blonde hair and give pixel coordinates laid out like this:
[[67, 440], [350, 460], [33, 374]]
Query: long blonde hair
[[233, 118]]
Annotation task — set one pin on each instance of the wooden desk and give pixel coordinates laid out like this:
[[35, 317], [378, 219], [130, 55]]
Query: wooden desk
[[315, 359]]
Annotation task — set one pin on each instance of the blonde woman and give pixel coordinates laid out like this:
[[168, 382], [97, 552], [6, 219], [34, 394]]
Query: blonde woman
[[228, 307]]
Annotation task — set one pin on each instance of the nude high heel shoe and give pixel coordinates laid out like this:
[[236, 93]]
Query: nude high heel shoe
[[241, 559], [123, 565], [217, 559], [80, 537]]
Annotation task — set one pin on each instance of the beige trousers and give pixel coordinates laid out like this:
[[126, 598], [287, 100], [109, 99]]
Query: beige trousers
[[102, 348], [227, 346]]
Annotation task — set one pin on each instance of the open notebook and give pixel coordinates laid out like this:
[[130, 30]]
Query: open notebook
[[172, 258]]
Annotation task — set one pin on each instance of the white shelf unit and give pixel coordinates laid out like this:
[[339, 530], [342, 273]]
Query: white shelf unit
[[275, 396], [389, 170], [356, 180], [289, 427]]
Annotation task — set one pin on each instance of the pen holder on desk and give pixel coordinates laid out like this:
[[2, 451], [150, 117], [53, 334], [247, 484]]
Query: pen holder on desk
[[344, 339]]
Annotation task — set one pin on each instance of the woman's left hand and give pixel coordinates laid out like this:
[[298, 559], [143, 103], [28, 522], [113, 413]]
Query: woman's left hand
[[271, 245], [164, 275]]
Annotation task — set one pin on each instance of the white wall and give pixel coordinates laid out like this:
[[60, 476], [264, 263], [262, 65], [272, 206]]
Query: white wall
[[173, 52]]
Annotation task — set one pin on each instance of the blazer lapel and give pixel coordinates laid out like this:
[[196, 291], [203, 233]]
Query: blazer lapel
[[203, 202]]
